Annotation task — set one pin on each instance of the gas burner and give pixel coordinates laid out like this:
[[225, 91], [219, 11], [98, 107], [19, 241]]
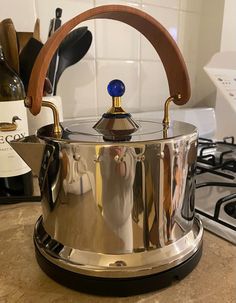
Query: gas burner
[[216, 186]]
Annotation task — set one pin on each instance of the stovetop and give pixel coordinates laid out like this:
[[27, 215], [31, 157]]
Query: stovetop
[[216, 186]]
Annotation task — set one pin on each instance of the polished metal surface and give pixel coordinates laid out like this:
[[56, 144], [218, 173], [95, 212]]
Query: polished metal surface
[[83, 131], [121, 200], [116, 124], [119, 265], [114, 129]]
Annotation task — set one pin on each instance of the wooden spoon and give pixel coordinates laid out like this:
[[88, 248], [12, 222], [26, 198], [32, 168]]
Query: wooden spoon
[[8, 40]]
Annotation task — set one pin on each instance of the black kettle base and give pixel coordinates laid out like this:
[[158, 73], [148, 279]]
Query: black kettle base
[[119, 287]]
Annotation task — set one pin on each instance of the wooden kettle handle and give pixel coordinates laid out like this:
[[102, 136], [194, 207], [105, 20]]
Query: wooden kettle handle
[[159, 37]]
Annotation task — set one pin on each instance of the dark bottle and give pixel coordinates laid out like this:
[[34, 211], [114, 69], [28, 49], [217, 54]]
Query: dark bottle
[[15, 175]]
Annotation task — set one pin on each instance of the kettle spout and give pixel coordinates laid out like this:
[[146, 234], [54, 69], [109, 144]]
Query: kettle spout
[[35, 152]]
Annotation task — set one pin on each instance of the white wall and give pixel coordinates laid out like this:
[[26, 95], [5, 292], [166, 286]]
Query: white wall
[[22, 12], [228, 40], [209, 43], [118, 51], [225, 114]]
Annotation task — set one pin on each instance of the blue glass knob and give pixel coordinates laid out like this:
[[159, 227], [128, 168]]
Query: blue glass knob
[[116, 88]]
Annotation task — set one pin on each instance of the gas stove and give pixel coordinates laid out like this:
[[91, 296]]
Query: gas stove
[[216, 186]]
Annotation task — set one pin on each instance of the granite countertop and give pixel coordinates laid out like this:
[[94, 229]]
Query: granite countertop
[[21, 279]]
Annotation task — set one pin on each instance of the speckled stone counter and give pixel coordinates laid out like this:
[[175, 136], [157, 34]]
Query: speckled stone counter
[[21, 279]]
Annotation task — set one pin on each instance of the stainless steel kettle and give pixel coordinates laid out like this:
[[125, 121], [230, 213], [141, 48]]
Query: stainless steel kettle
[[117, 194]]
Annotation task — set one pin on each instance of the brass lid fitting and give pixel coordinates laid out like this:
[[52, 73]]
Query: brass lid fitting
[[166, 119], [56, 124], [116, 124]]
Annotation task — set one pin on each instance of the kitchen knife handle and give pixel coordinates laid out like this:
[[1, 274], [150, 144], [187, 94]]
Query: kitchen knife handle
[[159, 37]]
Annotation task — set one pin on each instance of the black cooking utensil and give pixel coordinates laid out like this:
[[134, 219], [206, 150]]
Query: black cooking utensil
[[55, 23], [72, 49], [27, 58]]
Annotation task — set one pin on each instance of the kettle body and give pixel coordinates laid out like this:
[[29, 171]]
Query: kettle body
[[117, 195], [123, 209]]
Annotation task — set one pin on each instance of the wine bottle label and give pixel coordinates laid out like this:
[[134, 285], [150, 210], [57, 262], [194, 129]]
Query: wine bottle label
[[13, 126]]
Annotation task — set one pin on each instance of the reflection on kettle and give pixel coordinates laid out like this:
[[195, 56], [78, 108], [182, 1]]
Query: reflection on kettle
[[174, 194], [77, 179], [187, 211], [179, 177], [118, 171]]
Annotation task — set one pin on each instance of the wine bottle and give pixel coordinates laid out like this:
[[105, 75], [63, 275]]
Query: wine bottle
[[15, 175]]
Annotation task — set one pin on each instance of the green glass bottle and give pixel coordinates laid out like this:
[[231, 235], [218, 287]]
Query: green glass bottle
[[15, 175]]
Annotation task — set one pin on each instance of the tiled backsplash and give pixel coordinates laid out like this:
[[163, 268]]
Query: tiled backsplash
[[118, 51]]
